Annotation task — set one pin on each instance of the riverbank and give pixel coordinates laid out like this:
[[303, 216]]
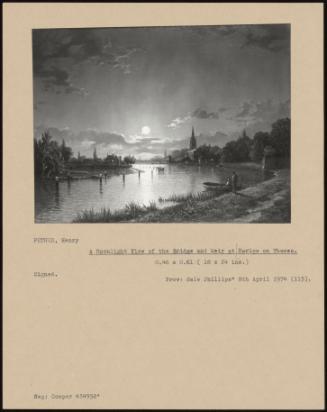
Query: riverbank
[[265, 202]]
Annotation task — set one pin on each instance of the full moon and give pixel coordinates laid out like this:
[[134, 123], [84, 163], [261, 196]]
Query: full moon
[[146, 130]]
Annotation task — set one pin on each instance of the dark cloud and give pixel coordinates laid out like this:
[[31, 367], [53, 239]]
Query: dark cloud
[[259, 116], [54, 78], [203, 114], [245, 110], [58, 52], [78, 90], [263, 109], [199, 113], [210, 31], [74, 44], [228, 30], [270, 37]]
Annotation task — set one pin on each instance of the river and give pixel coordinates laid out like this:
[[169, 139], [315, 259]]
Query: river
[[61, 203]]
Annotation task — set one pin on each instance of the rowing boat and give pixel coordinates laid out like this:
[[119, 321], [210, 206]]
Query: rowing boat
[[218, 186], [214, 184]]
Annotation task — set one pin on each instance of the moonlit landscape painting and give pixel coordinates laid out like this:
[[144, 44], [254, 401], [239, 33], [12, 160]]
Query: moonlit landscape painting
[[187, 124]]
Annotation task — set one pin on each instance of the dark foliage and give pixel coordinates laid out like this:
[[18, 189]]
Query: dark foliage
[[49, 157], [245, 149]]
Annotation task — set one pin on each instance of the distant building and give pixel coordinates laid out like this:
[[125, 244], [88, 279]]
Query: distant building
[[185, 155], [192, 140]]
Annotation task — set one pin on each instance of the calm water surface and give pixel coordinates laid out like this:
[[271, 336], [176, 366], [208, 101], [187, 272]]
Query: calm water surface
[[62, 204]]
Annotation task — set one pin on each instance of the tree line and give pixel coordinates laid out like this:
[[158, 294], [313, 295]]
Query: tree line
[[53, 159], [245, 149]]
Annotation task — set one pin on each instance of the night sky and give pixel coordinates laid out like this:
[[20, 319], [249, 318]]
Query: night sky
[[140, 90]]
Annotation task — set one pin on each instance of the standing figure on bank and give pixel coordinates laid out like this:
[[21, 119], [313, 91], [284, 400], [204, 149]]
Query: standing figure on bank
[[234, 182]]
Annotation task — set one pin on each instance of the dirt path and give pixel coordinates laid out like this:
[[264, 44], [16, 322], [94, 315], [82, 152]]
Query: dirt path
[[267, 202]]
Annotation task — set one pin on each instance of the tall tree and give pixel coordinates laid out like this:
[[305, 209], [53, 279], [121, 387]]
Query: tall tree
[[48, 158], [66, 151], [129, 159], [281, 136], [260, 141]]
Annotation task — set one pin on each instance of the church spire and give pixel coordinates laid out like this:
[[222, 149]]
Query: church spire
[[193, 140]]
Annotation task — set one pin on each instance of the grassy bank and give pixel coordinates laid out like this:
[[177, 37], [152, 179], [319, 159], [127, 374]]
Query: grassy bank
[[190, 197], [266, 202], [131, 211]]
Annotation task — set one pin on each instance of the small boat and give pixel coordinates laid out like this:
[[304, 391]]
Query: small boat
[[221, 187], [217, 187], [214, 184]]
